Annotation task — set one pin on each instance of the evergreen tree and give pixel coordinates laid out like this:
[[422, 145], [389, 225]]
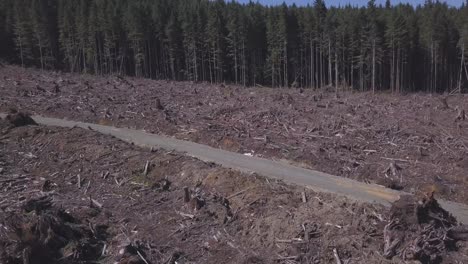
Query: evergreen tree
[[401, 48], [23, 32], [215, 41], [7, 22], [463, 46], [173, 44]]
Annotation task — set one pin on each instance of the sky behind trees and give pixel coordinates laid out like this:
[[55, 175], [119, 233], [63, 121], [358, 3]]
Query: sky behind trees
[[344, 2]]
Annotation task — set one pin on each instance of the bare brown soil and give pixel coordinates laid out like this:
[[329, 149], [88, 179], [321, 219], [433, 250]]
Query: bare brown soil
[[76, 196], [414, 142]]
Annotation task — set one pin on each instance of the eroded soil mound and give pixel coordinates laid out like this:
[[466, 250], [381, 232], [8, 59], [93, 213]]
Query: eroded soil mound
[[41, 233], [419, 229], [17, 119]]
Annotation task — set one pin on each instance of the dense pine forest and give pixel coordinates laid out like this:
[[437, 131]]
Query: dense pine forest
[[398, 48]]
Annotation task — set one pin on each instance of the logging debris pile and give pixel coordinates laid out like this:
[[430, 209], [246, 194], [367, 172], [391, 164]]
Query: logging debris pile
[[414, 142], [76, 196]]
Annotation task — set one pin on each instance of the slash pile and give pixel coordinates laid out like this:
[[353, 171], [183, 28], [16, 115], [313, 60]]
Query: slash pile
[[419, 229]]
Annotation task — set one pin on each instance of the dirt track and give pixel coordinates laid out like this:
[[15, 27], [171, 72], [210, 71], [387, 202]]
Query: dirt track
[[121, 202], [315, 180], [139, 210], [412, 142]]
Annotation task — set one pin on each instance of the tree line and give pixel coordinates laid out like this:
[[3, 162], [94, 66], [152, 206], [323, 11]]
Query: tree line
[[399, 48]]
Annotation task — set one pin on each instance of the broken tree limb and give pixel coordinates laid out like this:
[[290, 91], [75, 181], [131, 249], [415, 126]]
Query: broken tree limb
[[104, 250], [293, 241], [87, 187], [79, 181], [191, 216], [186, 195], [145, 171], [95, 203], [287, 257], [238, 193], [394, 159], [337, 257], [459, 232], [141, 257]]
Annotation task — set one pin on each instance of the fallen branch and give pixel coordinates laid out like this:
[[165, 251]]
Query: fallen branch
[[392, 159], [95, 203], [145, 171], [142, 258], [87, 187], [287, 258], [292, 241], [79, 181], [104, 248], [337, 258], [238, 193], [186, 195], [191, 216]]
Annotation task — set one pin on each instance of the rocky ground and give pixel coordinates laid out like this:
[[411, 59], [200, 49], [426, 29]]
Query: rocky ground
[[414, 142], [76, 196]]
